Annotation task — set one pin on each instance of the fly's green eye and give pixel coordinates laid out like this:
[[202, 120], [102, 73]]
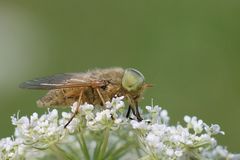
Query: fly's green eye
[[132, 79]]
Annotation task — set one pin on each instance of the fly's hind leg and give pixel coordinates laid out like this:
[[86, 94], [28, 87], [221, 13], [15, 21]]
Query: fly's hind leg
[[77, 109]]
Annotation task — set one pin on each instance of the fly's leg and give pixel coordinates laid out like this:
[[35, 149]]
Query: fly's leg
[[134, 107], [139, 118], [128, 112], [100, 95], [136, 111], [76, 111], [104, 86], [63, 93], [102, 99]]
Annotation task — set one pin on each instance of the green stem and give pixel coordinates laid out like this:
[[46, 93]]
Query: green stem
[[97, 150], [56, 153], [117, 153], [146, 158], [138, 151], [104, 144], [60, 153], [83, 145]]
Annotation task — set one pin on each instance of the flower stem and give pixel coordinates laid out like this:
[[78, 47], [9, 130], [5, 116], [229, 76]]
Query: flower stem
[[83, 145], [60, 153], [117, 153], [104, 144]]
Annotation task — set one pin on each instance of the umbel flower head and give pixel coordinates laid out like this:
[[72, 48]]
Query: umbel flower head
[[175, 142], [104, 133]]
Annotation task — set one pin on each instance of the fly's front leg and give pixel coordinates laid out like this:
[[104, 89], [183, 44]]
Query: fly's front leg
[[77, 109], [128, 112], [133, 107], [130, 108], [139, 118], [136, 112]]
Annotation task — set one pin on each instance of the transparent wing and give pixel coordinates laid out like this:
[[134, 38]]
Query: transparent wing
[[66, 80]]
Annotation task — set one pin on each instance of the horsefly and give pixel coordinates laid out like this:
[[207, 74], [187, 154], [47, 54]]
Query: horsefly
[[94, 87]]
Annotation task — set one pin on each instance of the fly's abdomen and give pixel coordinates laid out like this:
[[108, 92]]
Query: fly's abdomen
[[58, 97]]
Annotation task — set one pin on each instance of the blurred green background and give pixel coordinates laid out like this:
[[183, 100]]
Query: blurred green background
[[188, 49]]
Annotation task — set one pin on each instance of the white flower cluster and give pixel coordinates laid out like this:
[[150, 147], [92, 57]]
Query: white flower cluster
[[112, 117], [163, 141], [219, 153], [39, 132], [36, 134], [95, 119], [11, 148]]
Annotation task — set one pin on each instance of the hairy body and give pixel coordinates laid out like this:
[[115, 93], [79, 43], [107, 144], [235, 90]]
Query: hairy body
[[67, 96]]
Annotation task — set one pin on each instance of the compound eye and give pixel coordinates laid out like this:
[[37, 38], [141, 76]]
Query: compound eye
[[132, 79]]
